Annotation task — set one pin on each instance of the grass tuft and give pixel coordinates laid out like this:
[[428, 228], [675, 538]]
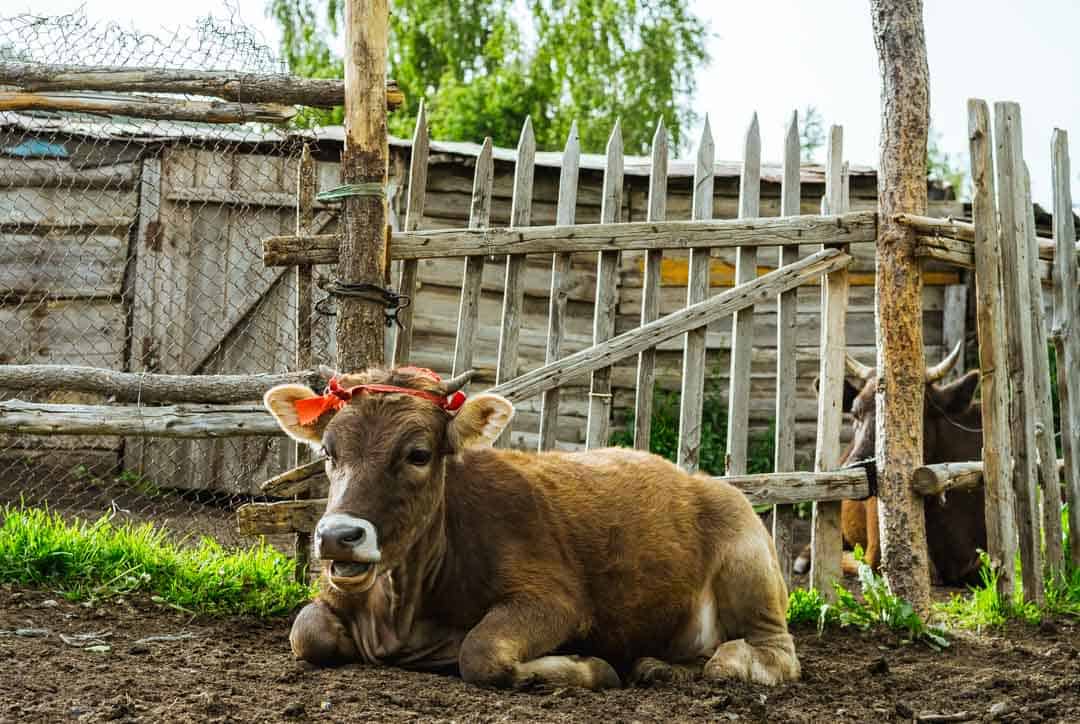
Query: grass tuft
[[96, 560]]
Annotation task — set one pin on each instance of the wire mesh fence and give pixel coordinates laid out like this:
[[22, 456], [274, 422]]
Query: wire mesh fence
[[134, 245]]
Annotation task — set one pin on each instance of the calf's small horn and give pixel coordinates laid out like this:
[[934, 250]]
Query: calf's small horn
[[935, 373], [456, 383], [855, 368]]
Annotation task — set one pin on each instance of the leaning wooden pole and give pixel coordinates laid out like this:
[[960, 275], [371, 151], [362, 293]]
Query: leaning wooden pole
[[363, 254], [900, 40]]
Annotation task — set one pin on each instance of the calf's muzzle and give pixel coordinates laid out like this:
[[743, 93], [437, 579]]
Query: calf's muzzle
[[347, 539]]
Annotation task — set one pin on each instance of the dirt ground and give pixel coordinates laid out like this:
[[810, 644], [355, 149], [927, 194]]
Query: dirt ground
[[241, 670]]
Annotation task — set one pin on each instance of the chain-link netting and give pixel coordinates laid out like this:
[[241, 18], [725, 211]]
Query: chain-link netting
[[135, 245]]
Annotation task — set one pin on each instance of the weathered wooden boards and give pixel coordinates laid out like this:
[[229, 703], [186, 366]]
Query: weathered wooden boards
[[825, 540], [787, 313], [1013, 218], [472, 283], [560, 282], [414, 211], [1066, 333], [650, 290], [993, 352], [859, 226], [506, 362], [598, 428], [246, 88], [692, 394], [940, 478], [145, 106], [764, 489]]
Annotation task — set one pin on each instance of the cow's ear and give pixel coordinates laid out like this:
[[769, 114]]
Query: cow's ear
[[850, 393], [281, 402], [956, 397], [480, 420]]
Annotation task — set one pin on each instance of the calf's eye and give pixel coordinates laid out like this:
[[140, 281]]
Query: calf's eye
[[418, 457]]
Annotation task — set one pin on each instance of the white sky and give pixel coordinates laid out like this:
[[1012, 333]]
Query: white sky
[[772, 56]]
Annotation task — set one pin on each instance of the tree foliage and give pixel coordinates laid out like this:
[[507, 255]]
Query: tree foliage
[[482, 67]]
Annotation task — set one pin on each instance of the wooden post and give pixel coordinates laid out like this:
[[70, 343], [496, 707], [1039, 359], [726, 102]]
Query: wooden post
[[472, 282], [1042, 407], [954, 324], [414, 212], [826, 543], [900, 40], [742, 326], [306, 180], [506, 364], [994, 379], [1020, 340], [565, 212], [787, 312], [1067, 333], [607, 279], [697, 289], [362, 259], [650, 289]]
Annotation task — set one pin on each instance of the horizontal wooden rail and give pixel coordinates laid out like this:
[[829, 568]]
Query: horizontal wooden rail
[[962, 254], [770, 231], [193, 421], [307, 479], [151, 107], [934, 228], [147, 387], [228, 85], [300, 516], [942, 477]]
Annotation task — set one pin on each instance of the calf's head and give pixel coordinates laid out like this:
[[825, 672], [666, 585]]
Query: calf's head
[[941, 402], [387, 436]]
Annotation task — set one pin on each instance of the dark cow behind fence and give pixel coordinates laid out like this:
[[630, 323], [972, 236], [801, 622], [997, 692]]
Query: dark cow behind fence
[[952, 431], [551, 569]]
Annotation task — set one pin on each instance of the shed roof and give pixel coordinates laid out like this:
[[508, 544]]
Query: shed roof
[[145, 131]]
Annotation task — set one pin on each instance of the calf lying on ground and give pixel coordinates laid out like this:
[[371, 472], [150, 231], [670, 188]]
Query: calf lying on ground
[[556, 569]]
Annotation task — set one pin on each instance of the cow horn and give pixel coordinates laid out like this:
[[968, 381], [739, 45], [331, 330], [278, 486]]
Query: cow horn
[[456, 383], [855, 368], [935, 373]]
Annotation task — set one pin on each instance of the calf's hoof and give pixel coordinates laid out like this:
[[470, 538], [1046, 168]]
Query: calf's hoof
[[649, 671]]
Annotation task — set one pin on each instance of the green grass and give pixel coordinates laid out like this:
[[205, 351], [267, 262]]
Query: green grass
[[95, 560], [984, 606]]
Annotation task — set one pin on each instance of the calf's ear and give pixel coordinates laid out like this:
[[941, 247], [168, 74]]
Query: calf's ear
[[280, 401], [480, 420]]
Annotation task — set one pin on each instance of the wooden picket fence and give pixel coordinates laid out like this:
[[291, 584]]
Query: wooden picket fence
[[1014, 270], [830, 233]]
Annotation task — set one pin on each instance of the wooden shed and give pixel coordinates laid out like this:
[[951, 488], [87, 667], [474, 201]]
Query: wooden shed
[[136, 246]]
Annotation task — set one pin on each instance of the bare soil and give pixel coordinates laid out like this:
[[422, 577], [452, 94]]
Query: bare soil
[[241, 670]]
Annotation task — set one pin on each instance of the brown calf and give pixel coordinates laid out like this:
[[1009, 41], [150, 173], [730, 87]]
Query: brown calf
[[952, 431], [555, 569]]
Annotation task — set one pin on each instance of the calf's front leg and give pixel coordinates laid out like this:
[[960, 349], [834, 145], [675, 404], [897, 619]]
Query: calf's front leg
[[319, 637], [507, 650]]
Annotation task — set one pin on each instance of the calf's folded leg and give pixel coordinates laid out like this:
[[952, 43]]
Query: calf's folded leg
[[319, 637], [507, 650]]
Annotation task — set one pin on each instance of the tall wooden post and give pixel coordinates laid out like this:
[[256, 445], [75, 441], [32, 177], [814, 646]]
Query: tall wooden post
[[363, 252], [305, 211], [900, 40]]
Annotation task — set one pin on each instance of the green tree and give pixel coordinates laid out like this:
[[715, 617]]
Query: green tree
[[945, 168], [482, 67], [811, 133]]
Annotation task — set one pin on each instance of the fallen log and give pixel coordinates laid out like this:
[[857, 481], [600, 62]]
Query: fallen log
[[227, 85], [147, 387], [194, 421]]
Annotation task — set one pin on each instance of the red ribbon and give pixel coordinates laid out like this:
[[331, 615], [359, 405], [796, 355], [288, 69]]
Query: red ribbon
[[312, 408]]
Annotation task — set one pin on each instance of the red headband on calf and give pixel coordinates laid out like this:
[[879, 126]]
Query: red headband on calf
[[311, 409]]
